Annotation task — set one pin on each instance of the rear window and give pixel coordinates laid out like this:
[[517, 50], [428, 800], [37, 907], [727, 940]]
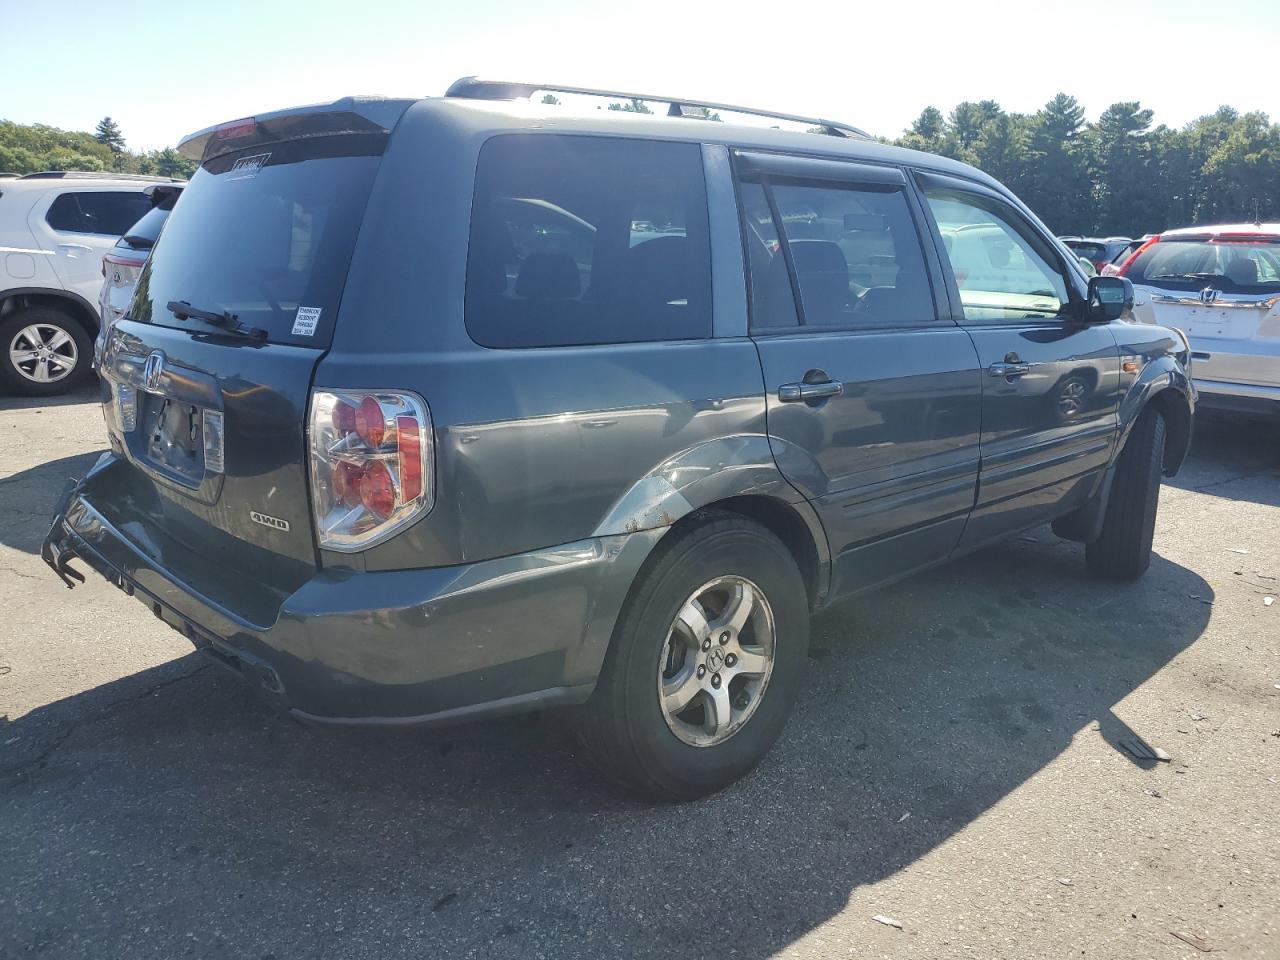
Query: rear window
[[265, 234], [1097, 252], [1231, 266], [142, 235], [583, 240], [104, 212]]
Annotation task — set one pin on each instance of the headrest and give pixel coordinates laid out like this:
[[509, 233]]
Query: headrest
[[1242, 270]]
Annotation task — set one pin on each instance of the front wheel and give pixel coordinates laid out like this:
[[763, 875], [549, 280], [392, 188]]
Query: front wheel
[[1123, 550], [706, 661]]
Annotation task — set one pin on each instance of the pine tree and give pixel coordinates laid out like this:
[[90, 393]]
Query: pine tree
[[108, 132]]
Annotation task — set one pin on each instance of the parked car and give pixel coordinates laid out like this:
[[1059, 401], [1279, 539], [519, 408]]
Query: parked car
[[54, 230], [122, 264], [1097, 250], [414, 419], [1221, 286], [1112, 269]]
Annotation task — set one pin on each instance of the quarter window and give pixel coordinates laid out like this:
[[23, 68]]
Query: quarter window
[[1003, 271], [854, 251], [581, 240], [109, 213]]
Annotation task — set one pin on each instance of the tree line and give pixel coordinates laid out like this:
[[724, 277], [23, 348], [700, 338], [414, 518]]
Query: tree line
[[1120, 174], [30, 148]]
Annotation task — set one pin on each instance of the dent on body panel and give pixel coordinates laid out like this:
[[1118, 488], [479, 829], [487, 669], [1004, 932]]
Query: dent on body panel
[[715, 470]]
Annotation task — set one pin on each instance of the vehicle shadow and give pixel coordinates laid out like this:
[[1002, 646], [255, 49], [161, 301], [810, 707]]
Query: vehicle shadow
[[28, 498], [1248, 448], [87, 392], [222, 829]]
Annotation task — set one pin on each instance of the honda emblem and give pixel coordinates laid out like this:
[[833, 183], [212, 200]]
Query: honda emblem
[[153, 371], [1208, 295]]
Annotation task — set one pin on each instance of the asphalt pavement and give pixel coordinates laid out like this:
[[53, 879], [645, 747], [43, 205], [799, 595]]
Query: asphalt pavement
[[956, 765]]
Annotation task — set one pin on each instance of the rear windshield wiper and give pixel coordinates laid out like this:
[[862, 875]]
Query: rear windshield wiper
[[1190, 276], [226, 320]]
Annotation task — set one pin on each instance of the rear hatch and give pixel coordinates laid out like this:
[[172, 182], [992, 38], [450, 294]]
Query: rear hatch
[[1223, 291], [210, 371]]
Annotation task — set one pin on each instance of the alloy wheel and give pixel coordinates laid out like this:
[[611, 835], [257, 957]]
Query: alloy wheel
[[716, 661], [43, 353]]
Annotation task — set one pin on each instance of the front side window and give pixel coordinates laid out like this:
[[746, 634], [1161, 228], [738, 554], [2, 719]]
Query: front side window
[[586, 240], [854, 251], [1004, 271], [106, 212]]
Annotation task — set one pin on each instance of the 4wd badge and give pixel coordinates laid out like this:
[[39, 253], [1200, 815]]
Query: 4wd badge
[[274, 522]]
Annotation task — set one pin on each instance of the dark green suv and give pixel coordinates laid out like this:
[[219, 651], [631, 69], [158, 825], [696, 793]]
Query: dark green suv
[[438, 409]]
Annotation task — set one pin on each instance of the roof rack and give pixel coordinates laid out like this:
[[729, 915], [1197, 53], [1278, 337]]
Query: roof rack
[[94, 175], [473, 88]]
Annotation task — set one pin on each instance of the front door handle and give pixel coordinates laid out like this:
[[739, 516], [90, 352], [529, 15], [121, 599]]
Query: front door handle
[[802, 392], [1009, 369]]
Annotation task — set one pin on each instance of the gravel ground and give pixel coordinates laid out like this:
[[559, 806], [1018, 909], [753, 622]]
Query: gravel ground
[[955, 764]]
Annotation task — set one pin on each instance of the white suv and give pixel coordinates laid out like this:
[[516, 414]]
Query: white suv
[[1220, 285], [54, 230]]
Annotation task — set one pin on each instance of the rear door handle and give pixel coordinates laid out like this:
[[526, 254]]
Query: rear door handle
[[1009, 369], [801, 392]]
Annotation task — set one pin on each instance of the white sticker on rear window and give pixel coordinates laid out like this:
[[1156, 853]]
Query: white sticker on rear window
[[247, 168], [304, 322]]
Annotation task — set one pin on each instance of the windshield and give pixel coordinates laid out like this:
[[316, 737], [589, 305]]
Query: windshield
[[266, 235], [1231, 266]]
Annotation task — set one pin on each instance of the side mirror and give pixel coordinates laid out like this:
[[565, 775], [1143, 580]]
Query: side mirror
[[1109, 298], [1087, 266]]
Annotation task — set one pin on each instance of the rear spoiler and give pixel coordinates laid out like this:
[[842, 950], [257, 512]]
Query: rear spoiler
[[161, 194], [348, 115]]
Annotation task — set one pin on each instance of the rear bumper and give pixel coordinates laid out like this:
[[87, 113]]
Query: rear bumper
[[1246, 398], [400, 647]]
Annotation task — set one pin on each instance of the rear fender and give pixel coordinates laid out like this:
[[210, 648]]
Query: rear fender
[[707, 474]]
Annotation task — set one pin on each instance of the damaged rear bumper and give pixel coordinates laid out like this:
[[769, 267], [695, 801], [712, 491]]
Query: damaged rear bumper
[[404, 647]]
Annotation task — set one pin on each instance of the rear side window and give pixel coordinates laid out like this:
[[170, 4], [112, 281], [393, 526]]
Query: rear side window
[[265, 234], [1232, 266], [585, 240], [105, 212], [854, 251]]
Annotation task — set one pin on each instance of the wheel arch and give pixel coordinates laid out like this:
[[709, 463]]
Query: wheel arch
[[72, 304], [1164, 386], [735, 474]]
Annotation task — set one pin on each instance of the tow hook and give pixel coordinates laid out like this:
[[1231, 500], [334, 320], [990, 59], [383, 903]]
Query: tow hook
[[51, 551], [60, 561]]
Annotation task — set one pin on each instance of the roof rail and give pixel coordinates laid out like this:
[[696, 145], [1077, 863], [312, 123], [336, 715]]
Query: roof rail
[[94, 175], [9, 176], [473, 88]]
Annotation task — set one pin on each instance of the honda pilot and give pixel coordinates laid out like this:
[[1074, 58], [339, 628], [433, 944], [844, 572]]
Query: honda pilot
[[457, 407]]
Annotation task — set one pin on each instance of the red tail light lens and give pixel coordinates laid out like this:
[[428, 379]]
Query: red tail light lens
[[409, 442], [378, 490], [371, 469], [371, 423]]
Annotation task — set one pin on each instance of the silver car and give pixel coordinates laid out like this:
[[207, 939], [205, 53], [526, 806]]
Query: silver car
[[123, 263], [1221, 287]]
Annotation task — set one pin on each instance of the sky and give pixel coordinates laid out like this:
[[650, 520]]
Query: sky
[[163, 70]]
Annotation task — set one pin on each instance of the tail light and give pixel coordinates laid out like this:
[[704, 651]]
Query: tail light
[[371, 465], [1124, 267]]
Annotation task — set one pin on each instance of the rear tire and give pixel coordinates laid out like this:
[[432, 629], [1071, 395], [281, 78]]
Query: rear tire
[[1123, 550], [634, 728], [43, 352]]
